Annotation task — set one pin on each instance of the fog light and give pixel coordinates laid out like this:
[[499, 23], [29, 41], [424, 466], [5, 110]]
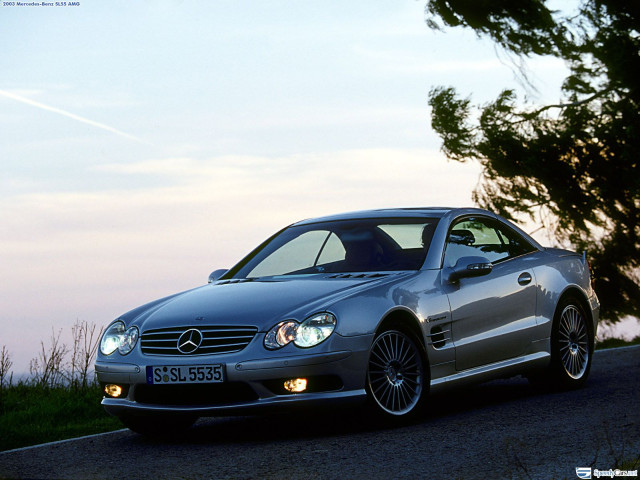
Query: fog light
[[295, 385], [113, 390]]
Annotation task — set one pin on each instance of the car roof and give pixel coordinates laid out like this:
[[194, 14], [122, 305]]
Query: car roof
[[413, 212]]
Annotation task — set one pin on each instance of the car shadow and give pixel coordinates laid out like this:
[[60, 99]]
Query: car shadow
[[313, 423]]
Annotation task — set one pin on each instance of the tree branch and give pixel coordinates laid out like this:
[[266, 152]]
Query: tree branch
[[567, 105]]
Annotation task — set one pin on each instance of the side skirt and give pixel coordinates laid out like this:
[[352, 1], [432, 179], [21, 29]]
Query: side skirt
[[502, 369]]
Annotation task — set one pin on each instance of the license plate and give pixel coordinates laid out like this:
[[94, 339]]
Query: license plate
[[170, 374]]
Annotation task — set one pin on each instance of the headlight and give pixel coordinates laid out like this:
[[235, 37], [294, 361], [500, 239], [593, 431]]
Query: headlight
[[315, 330], [280, 335], [128, 341], [309, 333], [111, 338], [116, 338]]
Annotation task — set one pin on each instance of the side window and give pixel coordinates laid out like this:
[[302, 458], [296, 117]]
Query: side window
[[483, 237], [517, 244]]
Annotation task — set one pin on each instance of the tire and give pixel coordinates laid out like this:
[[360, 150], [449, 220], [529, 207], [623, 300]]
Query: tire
[[572, 344], [396, 380], [158, 425]]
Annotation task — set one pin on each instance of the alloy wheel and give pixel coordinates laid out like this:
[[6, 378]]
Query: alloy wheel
[[395, 373], [573, 342]]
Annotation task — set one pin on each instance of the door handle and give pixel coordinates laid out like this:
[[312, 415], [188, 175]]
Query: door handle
[[524, 279]]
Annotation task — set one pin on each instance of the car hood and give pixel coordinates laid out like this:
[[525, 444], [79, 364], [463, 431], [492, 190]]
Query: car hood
[[259, 303]]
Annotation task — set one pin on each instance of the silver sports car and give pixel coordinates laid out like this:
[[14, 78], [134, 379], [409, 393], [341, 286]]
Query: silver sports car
[[380, 306]]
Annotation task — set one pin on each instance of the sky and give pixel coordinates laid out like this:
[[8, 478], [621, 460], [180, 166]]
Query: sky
[[144, 144]]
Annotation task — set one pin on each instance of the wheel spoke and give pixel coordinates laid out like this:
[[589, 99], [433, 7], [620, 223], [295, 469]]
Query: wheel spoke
[[405, 395], [392, 398], [566, 356], [408, 353], [573, 364], [389, 349], [565, 336], [377, 353], [394, 347], [386, 390], [381, 365]]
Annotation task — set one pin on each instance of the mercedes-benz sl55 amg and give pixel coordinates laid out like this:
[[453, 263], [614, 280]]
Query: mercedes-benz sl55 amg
[[380, 307]]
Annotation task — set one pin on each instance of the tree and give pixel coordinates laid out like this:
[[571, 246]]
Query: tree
[[572, 166]]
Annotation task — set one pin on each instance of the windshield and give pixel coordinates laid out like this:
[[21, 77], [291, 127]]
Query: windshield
[[344, 246]]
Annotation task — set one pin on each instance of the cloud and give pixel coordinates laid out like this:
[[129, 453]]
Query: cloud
[[93, 255], [360, 175], [401, 60], [78, 118], [235, 199]]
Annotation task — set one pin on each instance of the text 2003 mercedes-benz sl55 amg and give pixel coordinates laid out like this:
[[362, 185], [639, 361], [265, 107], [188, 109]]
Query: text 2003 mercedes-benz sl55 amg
[[380, 306]]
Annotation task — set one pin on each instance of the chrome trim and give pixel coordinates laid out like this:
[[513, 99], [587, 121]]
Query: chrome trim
[[293, 361], [114, 406], [486, 372], [110, 367]]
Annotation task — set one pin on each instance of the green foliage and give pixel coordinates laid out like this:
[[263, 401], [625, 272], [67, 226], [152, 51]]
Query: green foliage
[[616, 342], [525, 26], [572, 166], [31, 414]]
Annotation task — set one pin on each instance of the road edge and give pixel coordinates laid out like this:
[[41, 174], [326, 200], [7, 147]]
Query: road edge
[[66, 440]]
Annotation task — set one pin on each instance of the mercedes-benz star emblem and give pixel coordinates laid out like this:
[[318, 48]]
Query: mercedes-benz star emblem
[[189, 341]]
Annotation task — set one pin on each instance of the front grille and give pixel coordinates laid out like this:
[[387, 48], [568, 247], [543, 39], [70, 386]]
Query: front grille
[[197, 394], [215, 340]]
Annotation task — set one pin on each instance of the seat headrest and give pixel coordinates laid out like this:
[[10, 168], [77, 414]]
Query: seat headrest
[[462, 237]]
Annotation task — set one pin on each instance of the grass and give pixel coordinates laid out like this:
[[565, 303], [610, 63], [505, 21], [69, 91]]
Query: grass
[[632, 464], [616, 342], [30, 415]]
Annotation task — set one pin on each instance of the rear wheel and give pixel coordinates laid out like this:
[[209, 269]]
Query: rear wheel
[[572, 342], [396, 374]]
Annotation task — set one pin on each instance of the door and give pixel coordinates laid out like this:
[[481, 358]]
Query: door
[[493, 316]]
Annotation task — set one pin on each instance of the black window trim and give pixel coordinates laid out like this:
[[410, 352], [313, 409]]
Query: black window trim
[[491, 219]]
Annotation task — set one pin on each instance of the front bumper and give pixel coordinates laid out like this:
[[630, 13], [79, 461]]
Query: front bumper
[[336, 376]]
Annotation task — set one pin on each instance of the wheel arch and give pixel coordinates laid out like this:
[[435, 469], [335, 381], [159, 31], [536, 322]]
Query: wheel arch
[[577, 293], [400, 322], [406, 321], [569, 370]]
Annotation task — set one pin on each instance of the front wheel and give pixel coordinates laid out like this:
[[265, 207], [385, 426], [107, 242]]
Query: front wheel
[[396, 374]]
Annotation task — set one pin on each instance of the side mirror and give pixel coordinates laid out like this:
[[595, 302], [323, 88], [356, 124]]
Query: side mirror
[[468, 267], [217, 274]]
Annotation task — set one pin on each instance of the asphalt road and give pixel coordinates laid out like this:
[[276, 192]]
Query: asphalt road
[[503, 429]]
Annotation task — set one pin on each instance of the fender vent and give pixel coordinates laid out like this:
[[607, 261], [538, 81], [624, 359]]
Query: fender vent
[[438, 337]]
